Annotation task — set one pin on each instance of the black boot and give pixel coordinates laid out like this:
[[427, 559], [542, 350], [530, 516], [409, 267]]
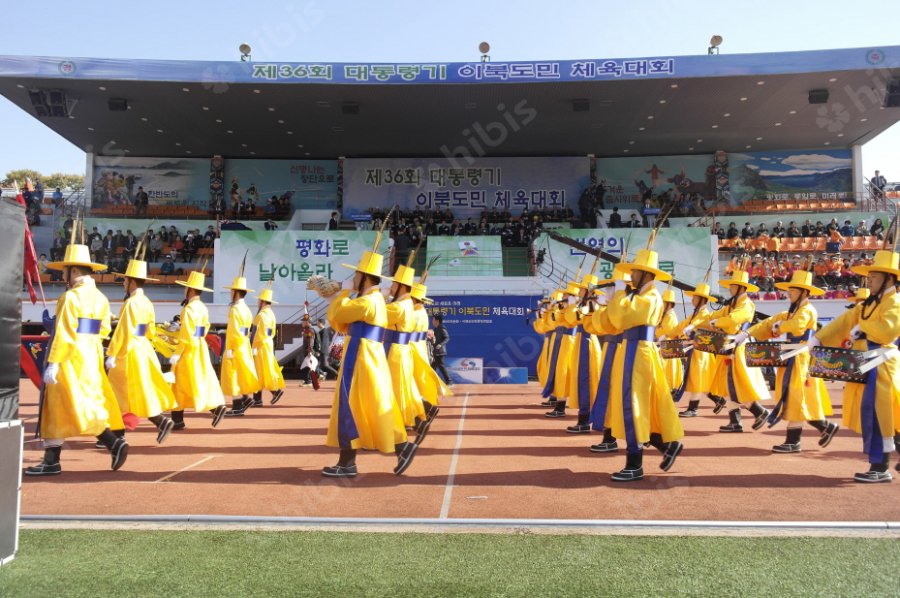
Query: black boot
[[791, 444], [673, 449], [720, 402], [405, 451], [238, 407], [346, 465], [118, 448], [583, 426], [276, 395], [827, 430], [878, 472], [559, 410], [634, 469], [607, 445], [164, 425], [734, 419], [257, 399], [218, 413], [897, 446], [50, 464], [692, 409], [178, 418], [550, 402], [760, 413]]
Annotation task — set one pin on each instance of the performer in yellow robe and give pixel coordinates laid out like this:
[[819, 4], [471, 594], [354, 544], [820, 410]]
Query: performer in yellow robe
[[585, 363], [238, 375], [263, 343], [641, 408], [364, 413], [401, 325], [548, 325], [540, 327], [698, 374], [873, 324], [801, 398], [558, 381], [196, 386], [745, 386], [429, 384], [610, 339], [667, 325], [132, 364], [78, 400]]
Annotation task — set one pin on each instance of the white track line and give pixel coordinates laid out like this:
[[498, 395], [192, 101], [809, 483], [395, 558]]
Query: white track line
[[448, 490], [183, 469]]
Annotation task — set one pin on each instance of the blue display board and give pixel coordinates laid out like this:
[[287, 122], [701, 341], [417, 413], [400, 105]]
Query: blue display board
[[492, 327]]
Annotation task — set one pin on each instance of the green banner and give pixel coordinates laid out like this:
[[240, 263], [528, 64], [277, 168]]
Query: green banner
[[288, 259], [466, 256], [684, 252]]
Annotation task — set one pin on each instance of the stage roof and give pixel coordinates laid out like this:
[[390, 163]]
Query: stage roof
[[607, 107]]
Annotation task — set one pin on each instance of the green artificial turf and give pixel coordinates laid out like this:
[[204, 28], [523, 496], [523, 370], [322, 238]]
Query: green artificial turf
[[100, 563]]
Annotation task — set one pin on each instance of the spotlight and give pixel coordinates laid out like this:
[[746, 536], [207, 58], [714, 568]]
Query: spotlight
[[244, 49], [714, 43]]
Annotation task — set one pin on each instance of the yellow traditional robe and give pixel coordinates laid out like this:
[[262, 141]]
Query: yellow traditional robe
[[378, 421], [701, 369], [137, 378], [431, 386], [601, 326], [267, 369], [807, 398], [749, 383], [540, 326], [196, 386], [882, 327], [400, 361], [653, 410], [560, 390], [673, 367], [82, 402], [238, 372], [574, 317]]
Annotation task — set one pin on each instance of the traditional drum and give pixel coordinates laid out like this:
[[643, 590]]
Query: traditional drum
[[712, 341], [836, 364], [760, 354], [672, 348]]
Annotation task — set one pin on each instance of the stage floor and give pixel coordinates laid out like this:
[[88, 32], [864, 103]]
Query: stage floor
[[491, 453]]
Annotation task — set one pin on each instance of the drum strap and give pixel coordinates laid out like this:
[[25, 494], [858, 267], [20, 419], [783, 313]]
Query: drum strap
[[601, 399]]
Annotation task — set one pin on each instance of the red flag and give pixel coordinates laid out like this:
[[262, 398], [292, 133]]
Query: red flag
[[31, 271]]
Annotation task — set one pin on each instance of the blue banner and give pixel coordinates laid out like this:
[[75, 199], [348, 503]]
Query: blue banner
[[465, 185], [491, 327], [218, 75]]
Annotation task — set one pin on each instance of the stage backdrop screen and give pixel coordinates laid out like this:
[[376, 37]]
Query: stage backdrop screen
[[467, 186], [176, 181], [311, 184], [465, 256]]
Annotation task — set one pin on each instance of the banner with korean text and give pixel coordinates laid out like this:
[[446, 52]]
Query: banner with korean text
[[288, 259], [685, 252], [309, 184], [167, 181], [464, 184]]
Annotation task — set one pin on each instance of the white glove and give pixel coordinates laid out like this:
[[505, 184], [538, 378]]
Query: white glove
[[688, 329], [813, 342], [856, 333], [174, 359], [347, 285], [110, 362], [229, 354], [572, 300], [50, 373], [254, 352], [741, 337], [169, 377], [619, 285]]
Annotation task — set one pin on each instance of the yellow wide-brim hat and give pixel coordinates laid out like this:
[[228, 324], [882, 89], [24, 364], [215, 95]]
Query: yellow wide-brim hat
[[861, 295], [616, 275], [801, 279], [419, 291], [196, 281], [266, 295], [668, 296], [404, 275], [588, 281], [137, 269], [77, 255], [646, 260], [702, 290], [239, 284], [740, 278], [885, 261], [370, 263], [573, 289], [558, 295]]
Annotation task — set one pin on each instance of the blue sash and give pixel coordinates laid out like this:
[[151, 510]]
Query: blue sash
[[601, 399], [873, 442], [633, 336], [584, 373], [140, 330], [346, 425], [244, 331], [394, 336], [778, 410], [88, 326], [200, 331]]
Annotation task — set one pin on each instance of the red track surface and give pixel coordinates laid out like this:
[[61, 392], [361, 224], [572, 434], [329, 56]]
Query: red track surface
[[512, 463]]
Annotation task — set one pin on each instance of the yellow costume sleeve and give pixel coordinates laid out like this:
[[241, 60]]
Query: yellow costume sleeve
[[669, 325], [394, 313], [762, 331], [343, 311], [804, 319], [186, 336], [838, 330], [105, 321], [233, 331], [120, 336], [601, 323], [884, 325], [65, 335], [626, 311], [571, 316], [732, 321]]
